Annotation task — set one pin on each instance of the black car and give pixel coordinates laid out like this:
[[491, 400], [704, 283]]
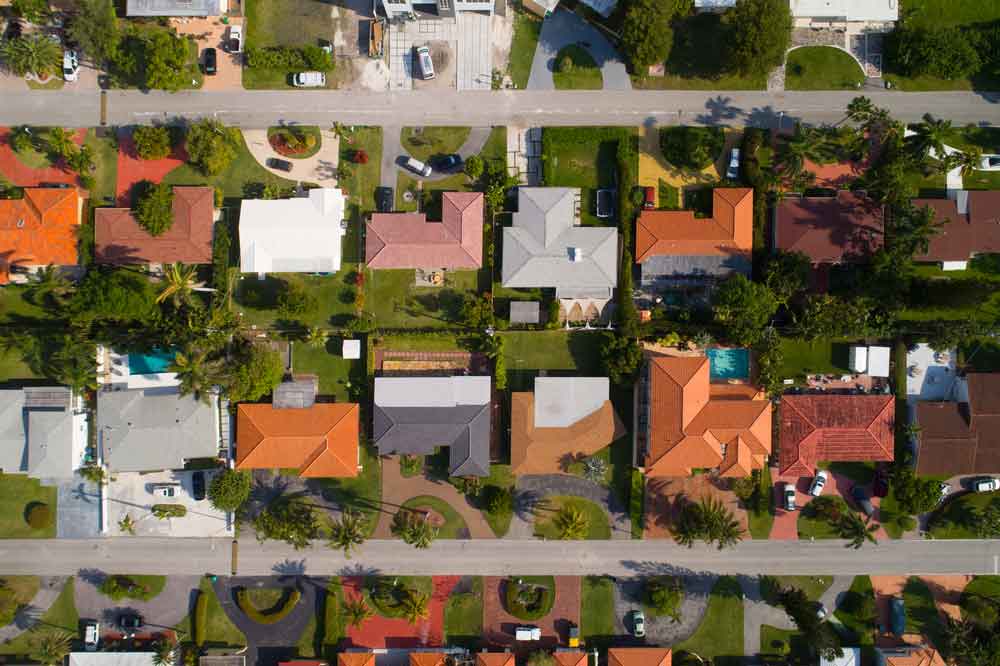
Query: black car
[[862, 500], [384, 199], [281, 165], [198, 485], [210, 61], [13, 30], [129, 621], [880, 485], [448, 163]]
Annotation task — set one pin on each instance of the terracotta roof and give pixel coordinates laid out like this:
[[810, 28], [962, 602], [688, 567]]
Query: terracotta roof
[[356, 659], [40, 229], [320, 441], [728, 231], [962, 438], [409, 240], [639, 656], [829, 230], [844, 428], [428, 658], [495, 659], [913, 656], [570, 657], [695, 424], [120, 240]]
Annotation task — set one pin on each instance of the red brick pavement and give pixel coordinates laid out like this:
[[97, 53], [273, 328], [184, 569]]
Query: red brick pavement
[[499, 625], [382, 632], [22, 175], [132, 169], [786, 522]]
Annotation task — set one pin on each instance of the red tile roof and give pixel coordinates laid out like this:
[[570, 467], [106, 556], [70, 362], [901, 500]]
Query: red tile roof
[[495, 659], [355, 659], [120, 240], [962, 438], [962, 236], [829, 230], [409, 240], [570, 658], [637, 656], [679, 232], [845, 428], [40, 229]]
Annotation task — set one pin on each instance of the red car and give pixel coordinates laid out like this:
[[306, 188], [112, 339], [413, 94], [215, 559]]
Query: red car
[[648, 198]]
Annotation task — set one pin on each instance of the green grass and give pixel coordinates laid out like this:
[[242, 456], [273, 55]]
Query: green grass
[[720, 635], [761, 522], [402, 341], [598, 526], [922, 615], [16, 493], [597, 608], [454, 526], [334, 628], [938, 13], [811, 527], [426, 142], [36, 157], [396, 302], [284, 23], [527, 28], [801, 358], [584, 74], [106, 159], [359, 184], [813, 586], [822, 68], [419, 583], [552, 350], [13, 366], [61, 615], [306, 645], [426, 196], [219, 629], [264, 598], [362, 493], [889, 515], [463, 616], [589, 163], [258, 299], [862, 630], [55, 83], [500, 475], [334, 371], [790, 646], [954, 518]]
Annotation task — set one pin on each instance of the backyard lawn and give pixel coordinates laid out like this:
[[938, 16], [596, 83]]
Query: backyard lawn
[[403, 341], [396, 302], [338, 377], [452, 527], [597, 609], [426, 142], [257, 299], [597, 520], [719, 637], [552, 350], [61, 615], [822, 68], [363, 493], [801, 358], [527, 28], [582, 73], [17, 493], [463, 614]]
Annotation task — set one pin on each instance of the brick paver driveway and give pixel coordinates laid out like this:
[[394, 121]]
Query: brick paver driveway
[[211, 33], [133, 169], [382, 632], [499, 625], [22, 175]]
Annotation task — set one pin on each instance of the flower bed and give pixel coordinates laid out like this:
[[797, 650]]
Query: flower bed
[[295, 142], [529, 597]]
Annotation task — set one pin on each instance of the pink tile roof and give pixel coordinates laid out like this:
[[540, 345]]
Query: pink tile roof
[[409, 240]]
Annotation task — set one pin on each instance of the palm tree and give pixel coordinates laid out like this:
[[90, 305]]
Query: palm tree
[[969, 160], [413, 528], [348, 532], [927, 141], [164, 653], [572, 523], [415, 606], [194, 372], [856, 530], [178, 284], [860, 110], [356, 611], [32, 54], [51, 287], [315, 337], [60, 142], [127, 525], [50, 647]]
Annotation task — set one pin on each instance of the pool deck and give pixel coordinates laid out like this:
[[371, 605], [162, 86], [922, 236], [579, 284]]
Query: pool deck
[[659, 350], [113, 370]]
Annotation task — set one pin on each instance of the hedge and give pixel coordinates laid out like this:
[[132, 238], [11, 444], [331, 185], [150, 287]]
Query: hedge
[[636, 502], [169, 510], [544, 586], [258, 616], [308, 57], [200, 619]]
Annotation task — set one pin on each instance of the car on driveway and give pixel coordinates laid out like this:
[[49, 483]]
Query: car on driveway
[[638, 624], [448, 163], [816, 489], [788, 496], [945, 489], [279, 164], [605, 203], [235, 42], [821, 611], [985, 484], [860, 496], [129, 622], [880, 485], [989, 163], [424, 63], [211, 62], [384, 199], [165, 490], [71, 65], [897, 616], [198, 486], [733, 170], [648, 198], [91, 635]]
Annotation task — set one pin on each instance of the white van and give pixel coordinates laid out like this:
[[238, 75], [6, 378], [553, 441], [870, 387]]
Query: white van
[[418, 167], [309, 80]]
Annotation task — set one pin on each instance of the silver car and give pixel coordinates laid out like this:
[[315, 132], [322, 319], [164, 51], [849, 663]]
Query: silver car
[[71, 65], [425, 63], [788, 496], [816, 489]]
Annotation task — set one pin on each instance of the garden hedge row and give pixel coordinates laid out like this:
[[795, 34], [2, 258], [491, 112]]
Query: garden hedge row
[[308, 57], [260, 617], [200, 618]]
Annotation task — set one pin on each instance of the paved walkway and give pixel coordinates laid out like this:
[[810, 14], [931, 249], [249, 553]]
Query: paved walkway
[[396, 489], [532, 488], [49, 588], [393, 154], [321, 168], [757, 612], [163, 611], [662, 630], [22, 175], [564, 28], [499, 625], [383, 632]]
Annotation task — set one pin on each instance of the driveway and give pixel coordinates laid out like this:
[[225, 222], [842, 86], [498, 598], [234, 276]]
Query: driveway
[[132, 494], [663, 493], [321, 168], [78, 509], [393, 154], [564, 28], [211, 33], [499, 625], [461, 49], [133, 169], [532, 488], [662, 630], [379, 632], [164, 611], [49, 589], [757, 612]]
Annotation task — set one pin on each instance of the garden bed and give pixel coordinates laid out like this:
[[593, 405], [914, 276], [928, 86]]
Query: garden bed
[[529, 597], [597, 520], [296, 142]]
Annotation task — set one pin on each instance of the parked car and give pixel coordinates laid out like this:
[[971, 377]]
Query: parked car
[[91, 635], [13, 30], [449, 163], [309, 80], [418, 167], [129, 622], [880, 485], [788, 495], [897, 616], [527, 634], [821, 611], [861, 498], [989, 163], [638, 623], [605, 203], [211, 62], [279, 164], [71, 65], [816, 489], [198, 486], [165, 490], [424, 63], [733, 170], [235, 41], [648, 198], [384, 199], [985, 484], [945, 489]]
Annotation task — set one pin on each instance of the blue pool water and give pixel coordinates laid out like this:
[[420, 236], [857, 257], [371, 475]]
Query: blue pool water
[[150, 364], [729, 363]]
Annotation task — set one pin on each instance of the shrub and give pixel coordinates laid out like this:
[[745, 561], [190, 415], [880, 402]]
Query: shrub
[[566, 65], [498, 499], [474, 167], [154, 211], [691, 147], [152, 143], [309, 57], [164, 511], [296, 301], [944, 52], [529, 598], [200, 618], [664, 595], [291, 598], [636, 503], [123, 587], [38, 515], [211, 146], [229, 489]]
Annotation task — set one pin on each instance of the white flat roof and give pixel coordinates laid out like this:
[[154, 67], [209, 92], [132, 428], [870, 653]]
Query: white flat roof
[[351, 349], [878, 361], [111, 658], [562, 401], [432, 391], [850, 10], [300, 235]]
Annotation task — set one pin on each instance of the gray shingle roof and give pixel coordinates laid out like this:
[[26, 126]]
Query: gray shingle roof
[[36, 432]]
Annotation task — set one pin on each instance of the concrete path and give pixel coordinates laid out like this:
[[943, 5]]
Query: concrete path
[[662, 630], [532, 488], [163, 611], [393, 154], [49, 588], [564, 28], [757, 612], [321, 168]]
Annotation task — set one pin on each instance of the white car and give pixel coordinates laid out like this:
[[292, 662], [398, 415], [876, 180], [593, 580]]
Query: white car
[[91, 635], [309, 80], [816, 489], [989, 163], [235, 42], [425, 63], [788, 493], [985, 484], [733, 170], [165, 490], [71, 65]]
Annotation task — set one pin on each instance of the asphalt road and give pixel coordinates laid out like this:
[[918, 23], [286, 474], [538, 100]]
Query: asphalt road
[[526, 108], [167, 556]]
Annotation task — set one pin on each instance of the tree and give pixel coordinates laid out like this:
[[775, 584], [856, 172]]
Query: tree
[[787, 274], [8, 604], [229, 489], [927, 141], [911, 229], [413, 528], [60, 142], [287, 519], [95, 28], [356, 611], [646, 33], [620, 357], [50, 287], [81, 160], [154, 211], [164, 652], [825, 316], [595, 469], [474, 167], [72, 362], [759, 33], [664, 594], [32, 54], [127, 525], [745, 308], [211, 146], [817, 633], [987, 521], [942, 52], [152, 142], [348, 532], [49, 646], [415, 606], [915, 495], [178, 284], [21, 139], [981, 610], [541, 658], [572, 523], [968, 644], [32, 11], [165, 56], [860, 110], [315, 337], [294, 300], [477, 312], [254, 373], [857, 530], [709, 521]]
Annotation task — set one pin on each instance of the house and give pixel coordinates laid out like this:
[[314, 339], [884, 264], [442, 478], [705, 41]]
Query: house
[[640, 656], [850, 15], [869, 360], [416, 415], [675, 246], [319, 440], [187, 8], [43, 432], [846, 228], [685, 422], [495, 659], [525, 312], [714, 6], [909, 655], [151, 429], [298, 235], [569, 657], [409, 240], [118, 238], [840, 428], [360, 658], [111, 658], [543, 8], [565, 419], [546, 247], [38, 230], [961, 436], [433, 9], [851, 657], [970, 226]]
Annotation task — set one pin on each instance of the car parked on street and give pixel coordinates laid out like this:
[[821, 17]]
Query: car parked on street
[[638, 624], [13, 29], [985, 484], [861, 498], [788, 496], [816, 489]]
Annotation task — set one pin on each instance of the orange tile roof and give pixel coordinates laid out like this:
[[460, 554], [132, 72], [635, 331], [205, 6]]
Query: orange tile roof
[[40, 229], [319, 441], [695, 424], [913, 656], [356, 659], [679, 232], [428, 659], [570, 657], [639, 656], [495, 659]]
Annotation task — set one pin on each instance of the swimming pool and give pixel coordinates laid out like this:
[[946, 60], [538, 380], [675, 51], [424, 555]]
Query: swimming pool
[[152, 363], [728, 363]]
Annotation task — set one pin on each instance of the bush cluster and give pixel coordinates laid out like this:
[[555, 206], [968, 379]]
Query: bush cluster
[[163, 511], [38, 515], [944, 52], [260, 617], [528, 600], [691, 147], [309, 57]]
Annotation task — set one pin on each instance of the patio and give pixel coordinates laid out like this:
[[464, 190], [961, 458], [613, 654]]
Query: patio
[[930, 375]]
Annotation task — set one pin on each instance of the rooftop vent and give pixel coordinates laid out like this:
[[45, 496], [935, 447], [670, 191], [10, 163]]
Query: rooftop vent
[[20, 223], [575, 254]]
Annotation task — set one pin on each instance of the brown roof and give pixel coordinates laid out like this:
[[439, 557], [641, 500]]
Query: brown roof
[[695, 424], [546, 450], [963, 236], [495, 659], [962, 438], [319, 441], [678, 232], [913, 656], [120, 240], [570, 657], [652, 656], [428, 659], [409, 240], [356, 659], [844, 428], [39, 229], [829, 230]]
